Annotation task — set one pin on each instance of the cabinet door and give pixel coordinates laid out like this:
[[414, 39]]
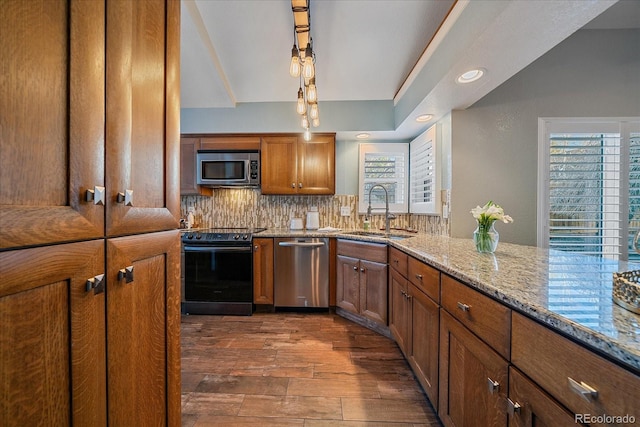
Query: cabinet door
[[279, 165], [52, 133], [398, 309], [142, 116], [316, 165], [529, 406], [262, 271], [348, 284], [52, 339], [188, 150], [373, 291], [473, 378], [423, 345], [143, 329]]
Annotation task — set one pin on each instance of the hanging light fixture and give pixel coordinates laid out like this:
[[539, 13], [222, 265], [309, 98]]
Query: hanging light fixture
[[302, 65]]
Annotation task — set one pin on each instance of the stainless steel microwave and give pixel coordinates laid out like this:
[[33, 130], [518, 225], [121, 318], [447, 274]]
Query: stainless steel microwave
[[228, 168]]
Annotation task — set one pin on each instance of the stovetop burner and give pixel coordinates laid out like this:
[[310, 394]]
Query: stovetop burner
[[220, 235]]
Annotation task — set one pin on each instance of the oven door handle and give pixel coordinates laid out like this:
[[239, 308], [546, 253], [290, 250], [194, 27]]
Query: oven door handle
[[218, 249], [302, 244]]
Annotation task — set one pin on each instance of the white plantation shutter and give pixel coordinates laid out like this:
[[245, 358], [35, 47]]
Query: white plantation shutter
[[384, 164], [423, 181], [591, 188]]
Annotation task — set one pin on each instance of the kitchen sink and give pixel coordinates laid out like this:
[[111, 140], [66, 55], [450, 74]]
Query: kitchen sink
[[378, 235]]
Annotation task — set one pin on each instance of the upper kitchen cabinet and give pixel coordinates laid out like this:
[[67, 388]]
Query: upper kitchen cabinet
[[81, 134], [142, 117], [52, 109], [291, 165], [188, 184]]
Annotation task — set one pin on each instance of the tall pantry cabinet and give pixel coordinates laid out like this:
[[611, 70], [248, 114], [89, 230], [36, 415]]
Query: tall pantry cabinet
[[89, 207]]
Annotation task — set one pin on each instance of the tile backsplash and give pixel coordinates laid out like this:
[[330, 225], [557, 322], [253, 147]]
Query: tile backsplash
[[249, 208]]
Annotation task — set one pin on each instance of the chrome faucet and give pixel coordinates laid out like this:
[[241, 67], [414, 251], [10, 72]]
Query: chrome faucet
[[387, 216]]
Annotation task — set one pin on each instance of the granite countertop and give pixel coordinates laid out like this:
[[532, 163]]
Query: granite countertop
[[568, 292]]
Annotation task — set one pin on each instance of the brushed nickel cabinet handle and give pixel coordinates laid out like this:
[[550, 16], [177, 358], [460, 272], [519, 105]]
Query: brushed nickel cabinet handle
[[419, 277], [355, 268], [293, 185], [361, 269], [255, 248], [464, 307], [126, 198], [494, 386], [97, 195], [583, 389], [299, 185], [513, 407]]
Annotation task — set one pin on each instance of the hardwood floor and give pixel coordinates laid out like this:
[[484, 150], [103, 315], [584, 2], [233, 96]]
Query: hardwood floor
[[295, 369]]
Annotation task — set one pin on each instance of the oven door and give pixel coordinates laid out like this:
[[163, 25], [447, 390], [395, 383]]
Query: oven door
[[218, 274]]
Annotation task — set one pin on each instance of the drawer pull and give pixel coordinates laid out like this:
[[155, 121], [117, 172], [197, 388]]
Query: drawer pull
[[419, 277], [493, 385], [585, 391], [464, 307], [355, 268], [513, 407]]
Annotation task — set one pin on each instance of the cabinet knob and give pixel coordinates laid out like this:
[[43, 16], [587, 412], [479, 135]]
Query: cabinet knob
[[419, 277], [299, 185], [126, 273], [513, 407], [464, 307], [293, 185], [96, 283], [361, 269], [355, 268], [97, 195], [126, 198], [255, 248], [585, 391], [494, 386]]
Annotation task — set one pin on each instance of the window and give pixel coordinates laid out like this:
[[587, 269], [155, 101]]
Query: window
[[589, 194], [384, 164], [424, 185]]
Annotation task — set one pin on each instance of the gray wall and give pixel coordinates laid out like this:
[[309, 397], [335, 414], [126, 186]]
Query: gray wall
[[593, 73]]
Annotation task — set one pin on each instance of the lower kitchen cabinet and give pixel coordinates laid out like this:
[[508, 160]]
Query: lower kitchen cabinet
[[529, 406], [361, 283], [52, 338], [263, 270], [80, 345], [473, 378], [143, 329], [399, 310]]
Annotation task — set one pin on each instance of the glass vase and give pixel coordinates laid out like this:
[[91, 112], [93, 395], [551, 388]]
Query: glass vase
[[486, 238]]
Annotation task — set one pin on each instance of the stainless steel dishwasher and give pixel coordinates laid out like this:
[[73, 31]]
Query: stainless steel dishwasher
[[301, 272]]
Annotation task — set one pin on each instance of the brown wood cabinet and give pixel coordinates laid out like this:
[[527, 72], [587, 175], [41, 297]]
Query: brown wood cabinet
[[473, 378], [399, 309], [361, 283], [263, 270], [102, 121], [291, 165], [529, 406], [188, 149]]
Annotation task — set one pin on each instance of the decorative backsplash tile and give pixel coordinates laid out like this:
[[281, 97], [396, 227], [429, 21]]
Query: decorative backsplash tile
[[249, 208]]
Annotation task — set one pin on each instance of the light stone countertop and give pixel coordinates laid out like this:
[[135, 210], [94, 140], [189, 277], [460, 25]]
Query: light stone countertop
[[568, 292]]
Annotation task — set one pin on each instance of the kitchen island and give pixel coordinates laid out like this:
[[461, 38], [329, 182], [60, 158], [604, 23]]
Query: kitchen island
[[567, 292]]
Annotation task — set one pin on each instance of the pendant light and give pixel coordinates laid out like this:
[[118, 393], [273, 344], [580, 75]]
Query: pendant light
[[312, 92], [294, 67], [301, 106]]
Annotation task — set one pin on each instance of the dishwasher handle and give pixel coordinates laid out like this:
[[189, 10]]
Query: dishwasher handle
[[302, 244]]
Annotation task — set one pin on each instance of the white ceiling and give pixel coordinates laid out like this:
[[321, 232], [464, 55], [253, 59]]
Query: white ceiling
[[400, 55]]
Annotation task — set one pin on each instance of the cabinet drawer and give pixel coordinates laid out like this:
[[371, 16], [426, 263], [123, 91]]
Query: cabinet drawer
[[376, 252], [398, 260], [569, 371], [425, 277], [487, 318]]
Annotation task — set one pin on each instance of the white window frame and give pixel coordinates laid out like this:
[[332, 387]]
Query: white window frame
[[424, 148], [546, 126], [378, 208]]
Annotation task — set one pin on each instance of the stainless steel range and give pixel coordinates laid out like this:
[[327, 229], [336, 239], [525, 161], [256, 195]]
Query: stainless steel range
[[218, 269]]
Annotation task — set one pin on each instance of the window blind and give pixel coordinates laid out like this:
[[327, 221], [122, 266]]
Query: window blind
[[423, 192], [384, 164]]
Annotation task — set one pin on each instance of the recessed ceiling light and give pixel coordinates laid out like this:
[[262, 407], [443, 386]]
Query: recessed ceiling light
[[362, 136], [424, 118], [470, 76]]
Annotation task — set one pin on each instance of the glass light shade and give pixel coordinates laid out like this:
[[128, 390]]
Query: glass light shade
[[315, 122], [312, 91], [313, 111], [305, 122], [294, 67], [307, 134], [301, 106]]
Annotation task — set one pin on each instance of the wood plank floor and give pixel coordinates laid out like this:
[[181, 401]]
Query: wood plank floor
[[295, 369]]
